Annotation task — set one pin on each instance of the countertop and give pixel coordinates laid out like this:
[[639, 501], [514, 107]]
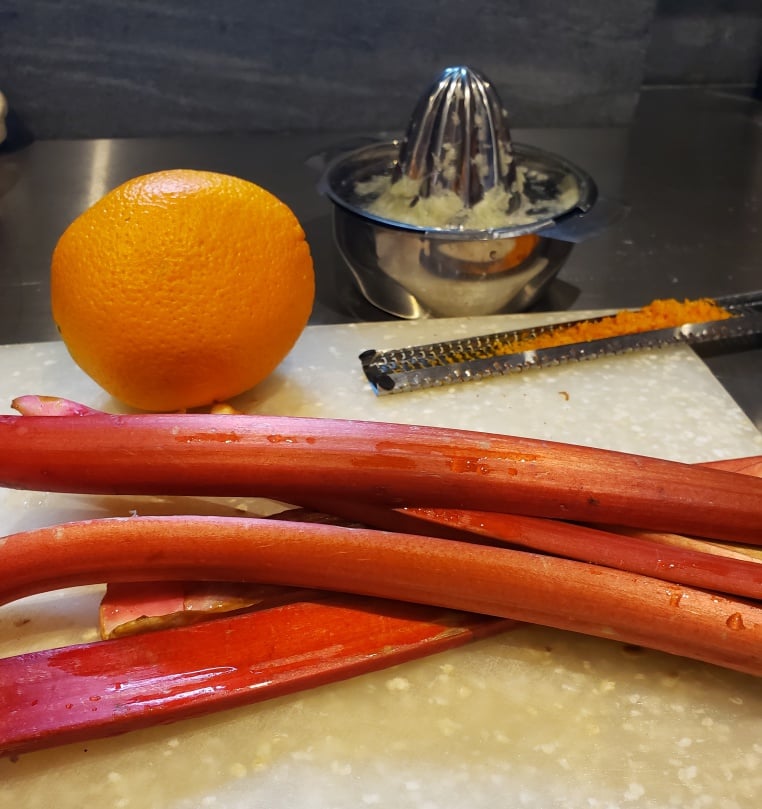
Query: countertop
[[534, 717], [689, 168]]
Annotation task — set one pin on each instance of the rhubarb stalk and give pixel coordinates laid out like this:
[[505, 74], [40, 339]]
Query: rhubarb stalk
[[101, 689], [299, 460], [693, 564], [493, 581]]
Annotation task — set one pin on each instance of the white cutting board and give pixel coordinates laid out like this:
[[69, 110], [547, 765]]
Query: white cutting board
[[534, 718]]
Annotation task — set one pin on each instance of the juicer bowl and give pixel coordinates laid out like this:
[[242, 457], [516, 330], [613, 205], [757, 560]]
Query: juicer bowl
[[414, 270]]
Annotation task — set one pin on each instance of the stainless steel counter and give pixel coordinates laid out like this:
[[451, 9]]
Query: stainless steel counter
[[690, 167]]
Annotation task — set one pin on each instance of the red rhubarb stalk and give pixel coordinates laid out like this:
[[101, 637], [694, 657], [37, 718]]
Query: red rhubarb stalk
[[751, 465], [32, 405], [299, 459], [132, 607], [691, 564], [676, 558], [129, 608], [102, 689], [493, 581]]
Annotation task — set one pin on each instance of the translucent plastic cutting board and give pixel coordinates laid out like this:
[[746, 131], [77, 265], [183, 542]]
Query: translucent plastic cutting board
[[533, 718]]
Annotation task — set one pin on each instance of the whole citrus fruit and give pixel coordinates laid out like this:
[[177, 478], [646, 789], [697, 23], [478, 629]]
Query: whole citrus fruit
[[182, 288]]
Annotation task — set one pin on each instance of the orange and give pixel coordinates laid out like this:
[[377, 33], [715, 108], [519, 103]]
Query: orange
[[182, 288]]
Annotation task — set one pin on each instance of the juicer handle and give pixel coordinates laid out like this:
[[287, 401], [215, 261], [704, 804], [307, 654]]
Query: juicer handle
[[579, 226]]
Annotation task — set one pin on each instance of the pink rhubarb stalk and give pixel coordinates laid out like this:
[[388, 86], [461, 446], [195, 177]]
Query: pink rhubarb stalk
[[300, 460], [493, 581], [691, 563]]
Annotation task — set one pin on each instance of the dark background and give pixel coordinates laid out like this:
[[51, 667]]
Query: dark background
[[96, 68], [654, 98]]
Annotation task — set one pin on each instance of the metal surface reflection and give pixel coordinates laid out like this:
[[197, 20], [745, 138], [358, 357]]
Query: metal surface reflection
[[693, 228]]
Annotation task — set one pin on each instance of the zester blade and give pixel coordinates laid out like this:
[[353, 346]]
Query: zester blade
[[480, 357]]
